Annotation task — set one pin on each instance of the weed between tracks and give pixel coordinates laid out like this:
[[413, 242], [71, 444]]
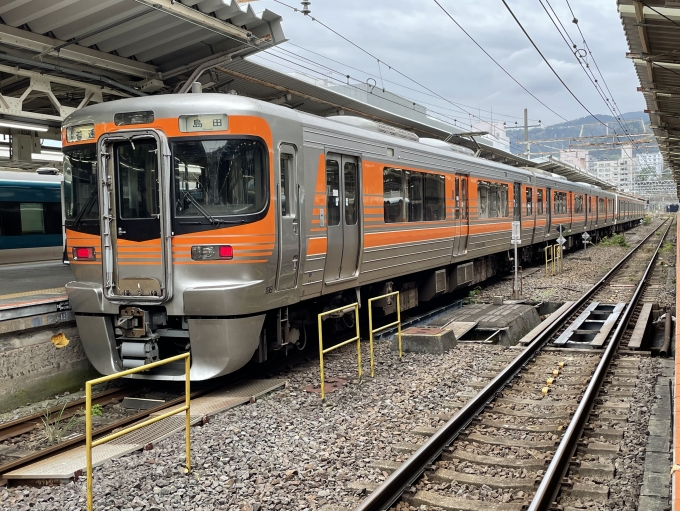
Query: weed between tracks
[[618, 240], [56, 427]]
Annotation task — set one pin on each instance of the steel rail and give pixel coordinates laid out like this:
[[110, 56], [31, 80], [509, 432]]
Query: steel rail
[[552, 479], [394, 486]]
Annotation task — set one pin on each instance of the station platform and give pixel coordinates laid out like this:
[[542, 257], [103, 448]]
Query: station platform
[[28, 277]]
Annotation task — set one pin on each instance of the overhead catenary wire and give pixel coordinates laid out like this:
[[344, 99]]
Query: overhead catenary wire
[[386, 80], [609, 102], [392, 68]]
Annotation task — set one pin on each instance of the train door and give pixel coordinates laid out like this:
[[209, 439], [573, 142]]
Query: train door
[[289, 228], [342, 202], [548, 211], [460, 214], [133, 231]]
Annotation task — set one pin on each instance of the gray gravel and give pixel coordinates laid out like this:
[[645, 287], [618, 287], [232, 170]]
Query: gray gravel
[[287, 451], [582, 269]]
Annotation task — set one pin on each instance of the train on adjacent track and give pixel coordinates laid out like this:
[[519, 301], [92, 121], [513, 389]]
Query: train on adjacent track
[[221, 225], [30, 217]]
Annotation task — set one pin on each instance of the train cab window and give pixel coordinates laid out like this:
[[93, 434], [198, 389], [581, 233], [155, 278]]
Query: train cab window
[[333, 191], [529, 198], [539, 201], [138, 179], [350, 174], [219, 178], [80, 187], [578, 204]]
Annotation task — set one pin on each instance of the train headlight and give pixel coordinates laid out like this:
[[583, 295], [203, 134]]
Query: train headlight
[[212, 252], [84, 254]]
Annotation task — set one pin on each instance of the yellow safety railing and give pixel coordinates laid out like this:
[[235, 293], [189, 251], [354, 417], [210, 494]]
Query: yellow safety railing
[[553, 260], [356, 339], [549, 260], [558, 258], [380, 329], [90, 444]]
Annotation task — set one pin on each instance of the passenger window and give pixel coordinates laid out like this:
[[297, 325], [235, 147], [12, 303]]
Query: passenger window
[[528, 194], [393, 195], [350, 171], [286, 160], [456, 196], [578, 204], [435, 206], [492, 200], [32, 218], [333, 192], [415, 196], [52, 217]]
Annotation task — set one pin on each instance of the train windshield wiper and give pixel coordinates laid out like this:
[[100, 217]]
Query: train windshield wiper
[[215, 221], [86, 208]]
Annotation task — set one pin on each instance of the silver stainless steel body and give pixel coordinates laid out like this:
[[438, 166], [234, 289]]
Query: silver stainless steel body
[[319, 234]]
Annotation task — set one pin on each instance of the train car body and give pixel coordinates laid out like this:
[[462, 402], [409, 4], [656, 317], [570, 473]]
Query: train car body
[[221, 225], [30, 217]]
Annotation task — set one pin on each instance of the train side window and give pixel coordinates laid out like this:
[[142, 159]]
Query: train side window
[[415, 196], [435, 203], [52, 217], [492, 200], [529, 198], [464, 198], [578, 204], [32, 218], [333, 192], [10, 218], [393, 195], [350, 175], [286, 160], [456, 198], [539, 201], [482, 199]]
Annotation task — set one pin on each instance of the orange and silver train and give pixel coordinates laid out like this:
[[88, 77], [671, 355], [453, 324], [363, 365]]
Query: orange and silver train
[[221, 225]]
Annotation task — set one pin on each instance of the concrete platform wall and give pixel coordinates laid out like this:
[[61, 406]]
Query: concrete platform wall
[[32, 368]]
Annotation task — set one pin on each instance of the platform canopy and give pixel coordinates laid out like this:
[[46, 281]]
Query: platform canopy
[[652, 29], [59, 55]]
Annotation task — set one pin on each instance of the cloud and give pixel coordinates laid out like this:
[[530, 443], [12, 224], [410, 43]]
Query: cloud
[[420, 41]]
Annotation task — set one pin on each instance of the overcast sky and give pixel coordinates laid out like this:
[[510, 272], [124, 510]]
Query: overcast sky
[[417, 38]]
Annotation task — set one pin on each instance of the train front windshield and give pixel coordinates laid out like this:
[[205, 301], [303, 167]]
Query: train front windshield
[[80, 186], [219, 178]]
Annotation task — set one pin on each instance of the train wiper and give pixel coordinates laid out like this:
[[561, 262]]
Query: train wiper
[[86, 208], [202, 211]]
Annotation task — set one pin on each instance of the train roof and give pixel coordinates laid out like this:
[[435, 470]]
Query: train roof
[[174, 105], [8, 175]]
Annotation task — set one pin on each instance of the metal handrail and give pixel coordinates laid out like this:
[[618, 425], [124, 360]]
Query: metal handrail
[[396, 323], [90, 444], [405, 475], [356, 339]]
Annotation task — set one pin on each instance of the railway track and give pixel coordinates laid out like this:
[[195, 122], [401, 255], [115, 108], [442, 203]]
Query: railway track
[[556, 411]]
